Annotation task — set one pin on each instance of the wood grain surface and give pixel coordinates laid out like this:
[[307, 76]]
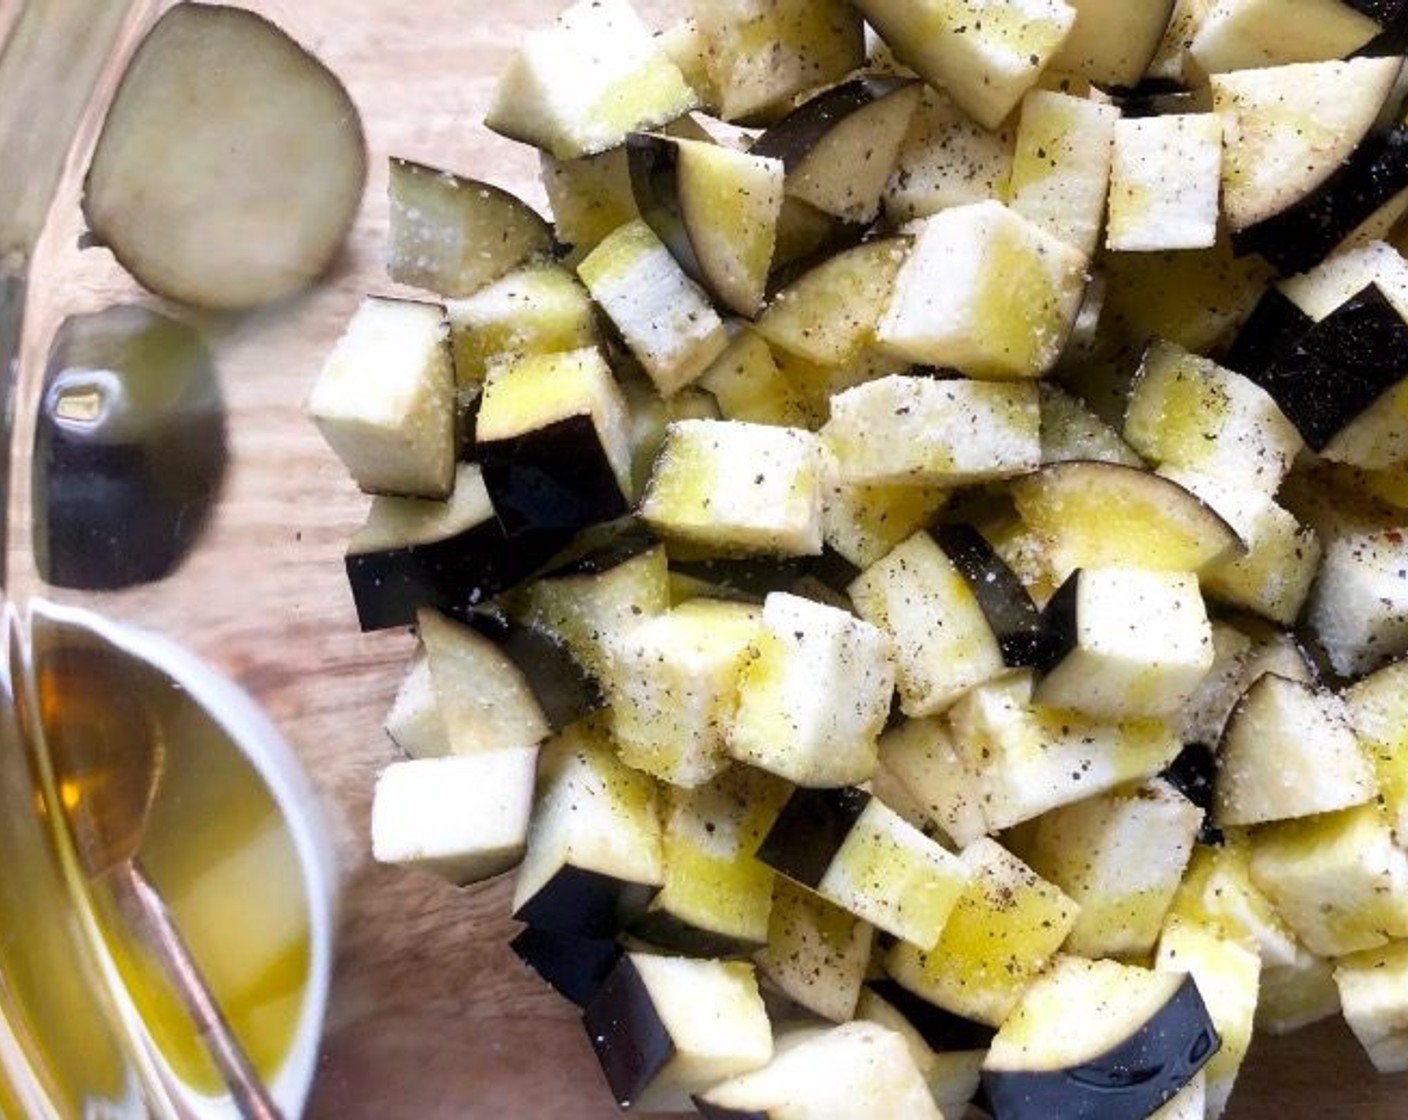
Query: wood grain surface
[[432, 1017]]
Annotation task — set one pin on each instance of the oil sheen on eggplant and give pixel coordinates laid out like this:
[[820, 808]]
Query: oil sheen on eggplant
[[129, 449]]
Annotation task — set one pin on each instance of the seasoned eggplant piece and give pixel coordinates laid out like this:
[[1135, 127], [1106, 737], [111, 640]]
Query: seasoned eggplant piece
[[576, 967], [129, 449], [817, 954], [1010, 612], [1288, 751], [840, 146], [450, 555], [562, 688], [783, 724], [583, 84], [1241, 34], [985, 57], [1371, 988], [941, 1030], [385, 399], [1340, 366], [1127, 642], [1003, 931], [666, 1027], [452, 235], [858, 853], [1164, 183], [1113, 41], [464, 817], [809, 43], [1286, 129], [551, 437], [240, 188], [853, 1063], [414, 722], [1302, 235], [984, 291], [715, 209], [595, 856], [1098, 1039]]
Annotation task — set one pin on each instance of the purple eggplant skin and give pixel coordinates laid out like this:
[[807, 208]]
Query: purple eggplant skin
[[1269, 333], [561, 686], [653, 161], [585, 904], [665, 930], [810, 830], [1127, 1082], [1306, 232], [553, 478], [453, 575], [1003, 597], [576, 967], [792, 138], [1059, 624], [1194, 774], [1339, 367], [942, 1030], [1392, 17], [129, 449], [1157, 97], [630, 1040]]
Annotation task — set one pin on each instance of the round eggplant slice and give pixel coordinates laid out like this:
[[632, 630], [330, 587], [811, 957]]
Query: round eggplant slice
[[231, 163]]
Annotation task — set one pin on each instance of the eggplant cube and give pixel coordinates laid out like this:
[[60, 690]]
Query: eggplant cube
[[552, 440], [1003, 931], [1275, 576], [1337, 879], [1121, 856], [465, 817], [855, 851], [581, 85], [1061, 171], [717, 897], [1188, 412], [921, 756], [1295, 995], [1288, 751], [664, 317], [907, 429], [1114, 41], [902, 594], [673, 688], [1373, 989], [1358, 606], [484, 700], [385, 399], [1228, 975], [1378, 711], [413, 552], [1028, 759], [414, 722], [984, 291], [1129, 642], [575, 966], [816, 954], [595, 856], [1164, 183], [1242, 34], [1217, 891], [735, 487], [1098, 514], [862, 521], [985, 57], [1071, 1043], [814, 695], [809, 43], [666, 1027], [539, 309], [868, 1067]]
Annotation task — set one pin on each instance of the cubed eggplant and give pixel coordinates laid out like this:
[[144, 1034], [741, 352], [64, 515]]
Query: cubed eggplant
[[563, 689], [941, 1030], [1056, 1055], [576, 967], [666, 1027], [810, 830], [450, 556], [1303, 234], [1340, 366], [1009, 608], [1269, 333]]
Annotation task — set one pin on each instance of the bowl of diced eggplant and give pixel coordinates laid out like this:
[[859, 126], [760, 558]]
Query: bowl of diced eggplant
[[826, 558]]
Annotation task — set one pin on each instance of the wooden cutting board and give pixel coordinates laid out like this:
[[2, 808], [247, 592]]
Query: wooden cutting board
[[432, 1018]]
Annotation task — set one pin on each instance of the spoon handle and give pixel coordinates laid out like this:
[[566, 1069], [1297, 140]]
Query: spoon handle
[[248, 1092]]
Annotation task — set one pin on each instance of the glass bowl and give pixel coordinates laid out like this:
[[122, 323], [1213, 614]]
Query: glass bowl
[[428, 1014]]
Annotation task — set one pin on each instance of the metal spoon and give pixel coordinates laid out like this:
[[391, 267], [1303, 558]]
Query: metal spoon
[[108, 754]]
